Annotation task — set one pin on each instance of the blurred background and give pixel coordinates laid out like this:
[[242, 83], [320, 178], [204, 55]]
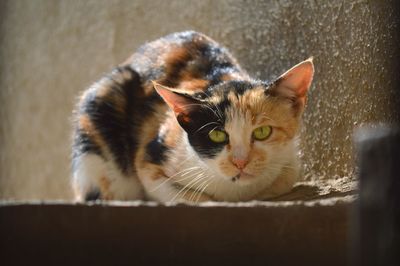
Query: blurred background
[[52, 50]]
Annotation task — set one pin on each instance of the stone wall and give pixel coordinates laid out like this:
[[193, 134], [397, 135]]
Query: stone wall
[[51, 50]]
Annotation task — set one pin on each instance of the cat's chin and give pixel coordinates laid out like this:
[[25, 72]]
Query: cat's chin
[[243, 179]]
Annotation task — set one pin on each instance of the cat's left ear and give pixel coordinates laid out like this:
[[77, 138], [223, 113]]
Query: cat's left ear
[[294, 83], [182, 104]]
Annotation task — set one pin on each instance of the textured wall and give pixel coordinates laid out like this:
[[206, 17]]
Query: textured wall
[[51, 50]]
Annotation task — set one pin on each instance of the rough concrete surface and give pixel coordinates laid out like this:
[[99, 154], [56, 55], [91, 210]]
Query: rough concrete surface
[[51, 50]]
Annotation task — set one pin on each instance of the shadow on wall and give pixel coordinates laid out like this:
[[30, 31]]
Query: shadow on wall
[[52, 50]]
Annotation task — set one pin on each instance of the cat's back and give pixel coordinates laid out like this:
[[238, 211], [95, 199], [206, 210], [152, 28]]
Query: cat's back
[[186, 60]]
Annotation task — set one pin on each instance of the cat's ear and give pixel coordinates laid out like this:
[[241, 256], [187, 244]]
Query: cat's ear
[[294, 83], [182, 104]]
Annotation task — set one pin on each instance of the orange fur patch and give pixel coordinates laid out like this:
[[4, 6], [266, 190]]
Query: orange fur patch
[[149, 170], [173, 134], [158, 173], [194, 84], [258, 109], [105, 184], [265, 110], [87, 126], [257, 154], [148, 132], [106, 93], [177, 54], [227, 77]]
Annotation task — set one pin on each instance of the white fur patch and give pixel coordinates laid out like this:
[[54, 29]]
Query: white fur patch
[[89, 171]]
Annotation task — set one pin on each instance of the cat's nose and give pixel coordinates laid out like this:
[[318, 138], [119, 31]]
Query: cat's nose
[[240, 163]]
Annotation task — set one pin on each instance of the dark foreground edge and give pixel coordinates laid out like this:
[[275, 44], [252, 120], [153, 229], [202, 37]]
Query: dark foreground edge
[[256, 233]]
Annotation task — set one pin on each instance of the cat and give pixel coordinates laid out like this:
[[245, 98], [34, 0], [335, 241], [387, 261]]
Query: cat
[[180, 120]]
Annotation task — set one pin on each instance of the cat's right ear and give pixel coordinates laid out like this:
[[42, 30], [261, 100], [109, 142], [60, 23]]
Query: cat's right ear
[[294, 83], [182, 104]]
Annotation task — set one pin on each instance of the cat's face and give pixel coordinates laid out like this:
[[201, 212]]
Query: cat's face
[[243, 130], [257, 128]]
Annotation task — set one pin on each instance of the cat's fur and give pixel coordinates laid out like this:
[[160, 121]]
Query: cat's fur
[[137, 139]]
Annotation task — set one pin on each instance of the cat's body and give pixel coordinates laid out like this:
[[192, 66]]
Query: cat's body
[[218, 135]]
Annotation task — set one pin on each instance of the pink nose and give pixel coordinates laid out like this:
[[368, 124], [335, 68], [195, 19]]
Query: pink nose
[[239, 162]]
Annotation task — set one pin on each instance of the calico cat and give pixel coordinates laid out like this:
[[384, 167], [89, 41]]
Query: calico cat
[[181, 120]]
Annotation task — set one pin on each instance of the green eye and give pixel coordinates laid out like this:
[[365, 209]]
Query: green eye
[[217, 136], [262, 133]]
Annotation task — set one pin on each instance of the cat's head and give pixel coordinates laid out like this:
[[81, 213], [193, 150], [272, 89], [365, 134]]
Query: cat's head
[[244, 130]]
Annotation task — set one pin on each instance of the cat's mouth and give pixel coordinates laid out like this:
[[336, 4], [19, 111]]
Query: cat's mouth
[[242, 176]]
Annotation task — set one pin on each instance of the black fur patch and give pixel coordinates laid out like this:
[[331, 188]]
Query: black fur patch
[[197, 131], [116, 127], [238, 87], [92, 195], [156, 150], [83, 144]]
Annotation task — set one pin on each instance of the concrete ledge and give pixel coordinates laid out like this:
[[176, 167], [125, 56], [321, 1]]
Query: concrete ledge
[[140, 233]]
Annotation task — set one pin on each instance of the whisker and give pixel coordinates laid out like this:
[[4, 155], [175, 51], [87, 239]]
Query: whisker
[[216, 113], [197, 190], [267, 117], [219, 112], [210, 123], [185, 178], [203, 105], [214, 128], [202, 191], [190, 169], [191, 183], [185, 171]]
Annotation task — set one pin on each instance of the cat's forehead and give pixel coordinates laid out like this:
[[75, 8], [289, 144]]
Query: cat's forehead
[[240, 97], [237, 87]]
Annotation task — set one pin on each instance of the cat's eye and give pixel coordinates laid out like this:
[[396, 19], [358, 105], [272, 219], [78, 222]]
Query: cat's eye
[[262, 133], [217, 136]]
